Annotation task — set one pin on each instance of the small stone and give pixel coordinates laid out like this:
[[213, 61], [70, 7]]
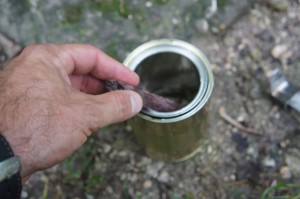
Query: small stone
[[202, 25], [256, 54], [292, 159], [128, 128], [281, 52], [274, 183], [133, 178], [144, 161], [153, 170], [232, 177], [180, 185], [148, 4], [10, 48], [283, 144], [269, 162], [106, 148], [109, 189], [209, 149], [123, 154], [175, 21], [113, 154], [222, 26], [285, 173], [164, 177], [147, 184], [278, 5], [88, 196], [24, 194], [123, 176]]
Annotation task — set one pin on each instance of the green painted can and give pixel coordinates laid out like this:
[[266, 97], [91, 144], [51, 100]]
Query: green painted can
[[177, 70]]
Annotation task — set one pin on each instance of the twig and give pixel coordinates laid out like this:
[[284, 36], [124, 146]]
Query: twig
[[238, 183], [227, 118]]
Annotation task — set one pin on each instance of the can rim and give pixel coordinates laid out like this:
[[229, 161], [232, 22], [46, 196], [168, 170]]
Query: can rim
[[190, 52]]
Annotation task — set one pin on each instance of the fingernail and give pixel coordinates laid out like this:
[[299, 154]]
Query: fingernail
[[135, 103]]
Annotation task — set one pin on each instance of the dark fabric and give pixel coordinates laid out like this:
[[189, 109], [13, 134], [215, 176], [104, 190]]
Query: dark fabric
[[10, 188]]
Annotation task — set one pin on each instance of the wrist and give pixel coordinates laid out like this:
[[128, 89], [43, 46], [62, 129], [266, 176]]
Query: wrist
[[10, 180], [16, 151]]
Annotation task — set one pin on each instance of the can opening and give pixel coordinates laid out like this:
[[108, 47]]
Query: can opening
[[170, 75]]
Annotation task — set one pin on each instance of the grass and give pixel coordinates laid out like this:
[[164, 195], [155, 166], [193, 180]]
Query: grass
[[79, 168], [282, 191], [109, 6], [72, 14]]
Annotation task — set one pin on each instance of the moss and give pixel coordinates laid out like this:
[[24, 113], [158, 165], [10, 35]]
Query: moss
[[108, 6], [222, 3], [279, 5], [72, 14], [161, 2]]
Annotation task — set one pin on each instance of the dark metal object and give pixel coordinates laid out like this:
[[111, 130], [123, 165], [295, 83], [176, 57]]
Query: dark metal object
[[283, 91]]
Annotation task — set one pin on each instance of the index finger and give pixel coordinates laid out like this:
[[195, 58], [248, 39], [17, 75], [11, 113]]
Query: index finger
[[81, 59]]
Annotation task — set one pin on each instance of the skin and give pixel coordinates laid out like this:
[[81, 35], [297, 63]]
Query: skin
[[52, 98]]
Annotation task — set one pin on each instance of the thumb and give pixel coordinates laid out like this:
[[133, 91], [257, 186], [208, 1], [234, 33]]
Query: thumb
[[114, 107]]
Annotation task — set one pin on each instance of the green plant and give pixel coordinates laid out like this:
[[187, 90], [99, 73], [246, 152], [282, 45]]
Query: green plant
[[72, 14], [119, 6], [282, 191], [79, 168]]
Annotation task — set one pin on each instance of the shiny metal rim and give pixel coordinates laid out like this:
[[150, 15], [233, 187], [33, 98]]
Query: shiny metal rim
[[194, 55]]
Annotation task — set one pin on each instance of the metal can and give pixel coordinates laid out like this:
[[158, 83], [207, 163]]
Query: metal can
[[178, 70]]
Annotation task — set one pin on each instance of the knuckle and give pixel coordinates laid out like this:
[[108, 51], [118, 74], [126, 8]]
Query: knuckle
[[33, 50], [28, 52], [29, 49]]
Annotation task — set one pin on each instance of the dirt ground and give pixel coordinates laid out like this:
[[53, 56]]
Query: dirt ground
[[233, 163]]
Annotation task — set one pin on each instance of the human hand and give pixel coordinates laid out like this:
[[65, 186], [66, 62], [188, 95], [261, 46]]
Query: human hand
[[51, 100]]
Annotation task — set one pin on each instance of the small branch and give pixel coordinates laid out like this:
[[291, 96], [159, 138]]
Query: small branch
[[227, 118]]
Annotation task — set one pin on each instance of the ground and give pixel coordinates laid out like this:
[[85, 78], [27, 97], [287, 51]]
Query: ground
[[242, 40]]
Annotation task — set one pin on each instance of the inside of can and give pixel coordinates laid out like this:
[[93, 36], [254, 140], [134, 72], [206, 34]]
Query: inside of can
[[170, 75]]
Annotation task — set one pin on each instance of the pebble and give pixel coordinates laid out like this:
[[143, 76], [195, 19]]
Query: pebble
[[109, 189], [292, 159], [209, 149], [24, 194], [148, 4], [278, 50], [175, 21], [147, 184], [153, 169], [284, 143], [285, 173], [281, 52], [128, 128], [269, 162], [252, 151], [123, 154], [278, 5], [180, 185], [133, 178], [232, 177], [10, 48], [164, 177], [88, 196], [106, 148], [202, 25]]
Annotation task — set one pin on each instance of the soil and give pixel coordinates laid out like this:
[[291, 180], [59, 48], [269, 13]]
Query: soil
[[234, 162]]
